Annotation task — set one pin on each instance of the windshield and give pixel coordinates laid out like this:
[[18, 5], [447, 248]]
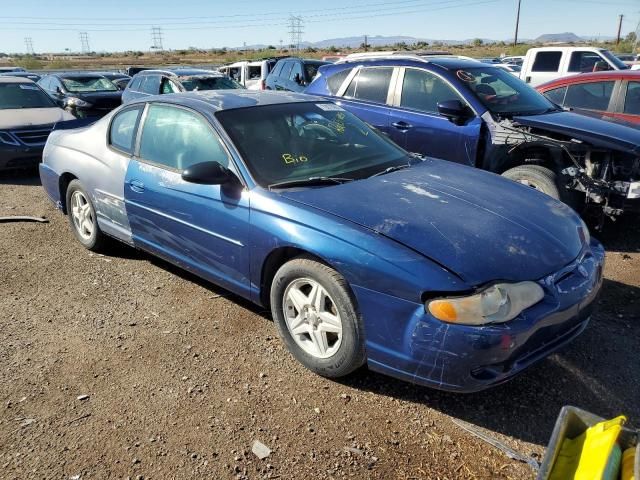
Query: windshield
[[88, 84], [502, 92], [23, 95], [297, 141], [620, 65], [208, 83]]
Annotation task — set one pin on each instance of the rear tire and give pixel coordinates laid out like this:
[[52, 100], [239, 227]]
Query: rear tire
[[536, 176], [83, 218], [316, 317]]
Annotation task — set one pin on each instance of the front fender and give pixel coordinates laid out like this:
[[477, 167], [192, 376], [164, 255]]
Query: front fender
[[365, 259]]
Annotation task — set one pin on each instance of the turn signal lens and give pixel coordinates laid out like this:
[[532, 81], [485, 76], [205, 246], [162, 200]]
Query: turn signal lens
[[497, 304]]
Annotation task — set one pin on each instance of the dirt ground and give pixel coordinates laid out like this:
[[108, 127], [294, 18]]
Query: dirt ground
[[123, 366]]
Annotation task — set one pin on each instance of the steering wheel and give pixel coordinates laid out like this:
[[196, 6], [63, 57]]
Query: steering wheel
[[319, 129]]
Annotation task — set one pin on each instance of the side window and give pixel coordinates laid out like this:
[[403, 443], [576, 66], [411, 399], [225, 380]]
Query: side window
[[591, 96], [423, 91], [584, 61], [54, 84], [277, 69], [123, 128], [45, 83], [169, 87], [150, 84], [296, 70], [632, 99], [135, 84], [177, 138], [235, 73], [556, 95], [547, 62], [335, 81], [371, 84], [286, 69]]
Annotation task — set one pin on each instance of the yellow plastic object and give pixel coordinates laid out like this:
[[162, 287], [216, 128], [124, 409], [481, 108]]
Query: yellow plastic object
[[586, 456], [628, 460]]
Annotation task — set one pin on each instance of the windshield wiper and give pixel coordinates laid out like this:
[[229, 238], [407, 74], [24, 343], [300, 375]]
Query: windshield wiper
[[391, 169], [309, 181]]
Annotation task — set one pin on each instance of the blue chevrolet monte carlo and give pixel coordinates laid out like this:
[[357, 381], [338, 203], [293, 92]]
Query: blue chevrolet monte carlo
[[425, 270]]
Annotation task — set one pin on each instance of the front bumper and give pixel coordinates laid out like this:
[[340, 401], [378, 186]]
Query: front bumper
[[19, 157], [405, 342]]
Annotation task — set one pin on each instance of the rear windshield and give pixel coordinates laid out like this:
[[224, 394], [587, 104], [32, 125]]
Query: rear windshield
[[23, 95], [88, 84], [208, 83]]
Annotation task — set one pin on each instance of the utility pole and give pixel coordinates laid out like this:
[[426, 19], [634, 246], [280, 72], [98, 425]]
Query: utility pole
[[156, 38], [515, 37], [619, 28], [29, 44], [84, 42]]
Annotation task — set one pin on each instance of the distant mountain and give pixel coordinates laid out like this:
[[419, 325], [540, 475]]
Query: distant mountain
[[566, 37]]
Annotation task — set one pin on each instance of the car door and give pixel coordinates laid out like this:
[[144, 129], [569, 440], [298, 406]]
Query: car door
[[203, 228], [627, 104], [367, 95], [417, 125], [596, 96]]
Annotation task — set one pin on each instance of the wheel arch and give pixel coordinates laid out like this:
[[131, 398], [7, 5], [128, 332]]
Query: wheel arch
[[63, 183]]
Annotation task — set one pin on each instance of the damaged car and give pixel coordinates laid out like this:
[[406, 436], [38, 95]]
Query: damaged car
[[482, 116], [422, 269]]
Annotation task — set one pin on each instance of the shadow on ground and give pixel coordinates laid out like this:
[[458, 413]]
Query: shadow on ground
[[20, 177]]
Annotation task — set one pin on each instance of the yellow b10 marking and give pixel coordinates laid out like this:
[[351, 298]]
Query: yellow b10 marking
[[292, 159]]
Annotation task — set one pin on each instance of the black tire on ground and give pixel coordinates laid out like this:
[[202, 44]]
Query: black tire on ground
[[536, 176], [350, 354], [96, 240]]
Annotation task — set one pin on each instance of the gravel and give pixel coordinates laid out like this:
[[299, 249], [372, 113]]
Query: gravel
[[184, 376]]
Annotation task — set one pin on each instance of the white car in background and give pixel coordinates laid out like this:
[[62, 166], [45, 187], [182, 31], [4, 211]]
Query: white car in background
[[509, 67], [250, 74]]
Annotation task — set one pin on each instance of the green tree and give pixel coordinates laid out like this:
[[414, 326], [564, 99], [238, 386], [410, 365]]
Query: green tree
[[477, 42]]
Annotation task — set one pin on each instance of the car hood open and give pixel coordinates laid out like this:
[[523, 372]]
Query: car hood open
[[29, 117], [596, 131], [476, 224]]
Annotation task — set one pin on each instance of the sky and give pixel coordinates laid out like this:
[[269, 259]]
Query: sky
[[118, 25]]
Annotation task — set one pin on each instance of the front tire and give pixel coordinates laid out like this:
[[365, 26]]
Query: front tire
[[82, 217], [535, 176], [315, 314]]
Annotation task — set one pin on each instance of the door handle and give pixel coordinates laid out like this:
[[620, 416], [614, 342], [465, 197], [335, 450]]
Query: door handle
[[136, 186], [401, 125]]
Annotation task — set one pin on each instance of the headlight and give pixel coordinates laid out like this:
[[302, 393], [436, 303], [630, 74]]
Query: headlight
[[7, 138], [497, 304], [77, 102]]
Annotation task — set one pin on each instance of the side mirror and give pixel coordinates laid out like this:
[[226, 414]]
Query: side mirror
[[298, 79], [454, 110], [208, 173], [59, 91]]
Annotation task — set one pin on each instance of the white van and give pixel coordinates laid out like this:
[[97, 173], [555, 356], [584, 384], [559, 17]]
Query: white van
[[548, 63], [250, 74]]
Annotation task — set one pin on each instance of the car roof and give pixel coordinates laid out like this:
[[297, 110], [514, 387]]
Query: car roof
[[217, 100], [11, 79], [76, 74], [449, 63], [180, 72], [590, 77]]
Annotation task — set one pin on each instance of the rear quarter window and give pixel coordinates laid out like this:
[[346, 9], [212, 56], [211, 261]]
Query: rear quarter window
[[556, 95], [123, 129], [547, 62], [335, 81]]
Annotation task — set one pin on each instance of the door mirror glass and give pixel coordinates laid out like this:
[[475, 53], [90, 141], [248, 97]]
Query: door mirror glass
[[208, 173], [59, 91], [453, 109], [601, 66]]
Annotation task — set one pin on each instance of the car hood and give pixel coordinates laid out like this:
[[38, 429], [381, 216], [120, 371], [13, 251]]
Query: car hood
[[28, 117], [94, 97], [476, 224], [598, 132]]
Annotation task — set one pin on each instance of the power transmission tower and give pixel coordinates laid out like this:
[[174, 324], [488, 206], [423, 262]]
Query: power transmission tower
[[156, 38], [84, 41], [295, 31], [29, 44]]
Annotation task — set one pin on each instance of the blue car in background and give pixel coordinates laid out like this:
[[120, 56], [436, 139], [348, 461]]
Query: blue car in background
[[425, 270], [483, 116]]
